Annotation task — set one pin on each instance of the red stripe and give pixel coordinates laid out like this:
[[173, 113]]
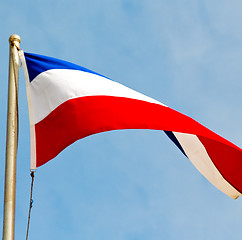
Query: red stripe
[[81, 117], [228, 160]]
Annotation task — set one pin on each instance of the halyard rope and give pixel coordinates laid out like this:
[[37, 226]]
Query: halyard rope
[[30, 202]]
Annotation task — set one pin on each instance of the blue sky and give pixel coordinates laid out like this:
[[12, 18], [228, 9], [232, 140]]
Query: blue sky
[[130, 184]]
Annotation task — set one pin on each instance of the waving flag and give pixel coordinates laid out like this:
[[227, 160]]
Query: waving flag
[[68, 102]]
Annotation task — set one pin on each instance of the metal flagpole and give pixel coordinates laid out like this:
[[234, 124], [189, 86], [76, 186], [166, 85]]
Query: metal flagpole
[[11, 140]]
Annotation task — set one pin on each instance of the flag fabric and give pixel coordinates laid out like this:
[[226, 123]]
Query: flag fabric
[[68, 102]]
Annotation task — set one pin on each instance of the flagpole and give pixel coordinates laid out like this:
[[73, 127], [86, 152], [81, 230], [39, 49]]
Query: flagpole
[[11, 140]]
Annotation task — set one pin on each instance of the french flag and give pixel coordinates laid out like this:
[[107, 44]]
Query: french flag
[[68, 102]]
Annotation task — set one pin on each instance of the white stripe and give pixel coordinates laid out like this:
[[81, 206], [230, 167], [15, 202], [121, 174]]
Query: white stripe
[[54, 87], [31, 120], [198, 155]]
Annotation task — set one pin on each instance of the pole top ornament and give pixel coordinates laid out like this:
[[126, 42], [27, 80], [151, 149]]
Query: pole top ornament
[[14, 38]]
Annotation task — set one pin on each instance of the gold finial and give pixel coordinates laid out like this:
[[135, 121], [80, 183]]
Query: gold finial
[[15, 40], [14, 37]]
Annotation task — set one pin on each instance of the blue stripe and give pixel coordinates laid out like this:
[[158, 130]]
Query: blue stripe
[[174, 139], [37, 64]]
